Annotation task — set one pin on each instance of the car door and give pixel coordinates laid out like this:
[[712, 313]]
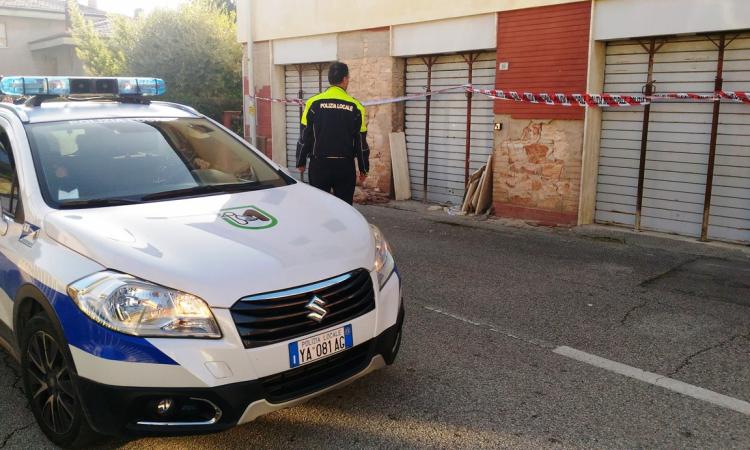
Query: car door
[[12, 233]]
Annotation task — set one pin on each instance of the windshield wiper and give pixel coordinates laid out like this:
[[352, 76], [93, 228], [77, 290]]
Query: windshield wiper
[[98, 202], [206, 189]]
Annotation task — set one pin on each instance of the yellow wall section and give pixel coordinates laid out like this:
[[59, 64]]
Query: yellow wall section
[[293, 18]]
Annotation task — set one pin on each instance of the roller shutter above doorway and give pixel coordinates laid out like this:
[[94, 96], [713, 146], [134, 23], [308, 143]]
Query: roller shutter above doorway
[[447, 142], [678, 140]]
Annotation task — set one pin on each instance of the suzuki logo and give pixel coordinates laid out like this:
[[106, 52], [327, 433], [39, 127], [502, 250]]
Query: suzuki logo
[[317, 305]]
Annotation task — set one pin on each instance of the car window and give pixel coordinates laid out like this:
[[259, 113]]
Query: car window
[[8, 182], [137, 158]]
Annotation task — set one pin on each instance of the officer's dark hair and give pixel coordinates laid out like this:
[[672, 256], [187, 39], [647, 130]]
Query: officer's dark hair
[[337, 72]]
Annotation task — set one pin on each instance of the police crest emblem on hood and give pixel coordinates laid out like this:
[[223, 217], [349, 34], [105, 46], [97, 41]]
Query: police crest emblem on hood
[[248, 217]]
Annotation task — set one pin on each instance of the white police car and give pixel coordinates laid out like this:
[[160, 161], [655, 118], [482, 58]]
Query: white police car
[[158, 275]]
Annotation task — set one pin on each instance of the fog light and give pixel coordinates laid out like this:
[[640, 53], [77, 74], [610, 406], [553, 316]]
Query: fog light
[[163, 407], [178, 410]]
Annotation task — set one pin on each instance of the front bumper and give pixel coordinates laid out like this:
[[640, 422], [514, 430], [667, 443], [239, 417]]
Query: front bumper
[[118, 410]]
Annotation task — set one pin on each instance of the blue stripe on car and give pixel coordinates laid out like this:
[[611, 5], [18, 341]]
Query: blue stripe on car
[[80, 331]]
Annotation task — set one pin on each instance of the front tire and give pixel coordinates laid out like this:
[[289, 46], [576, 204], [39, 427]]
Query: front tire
[[49, 384]]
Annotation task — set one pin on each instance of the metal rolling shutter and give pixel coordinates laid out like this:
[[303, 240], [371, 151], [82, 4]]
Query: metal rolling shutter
[[447, 150], [678, 142], [312, 81], [730, 199]]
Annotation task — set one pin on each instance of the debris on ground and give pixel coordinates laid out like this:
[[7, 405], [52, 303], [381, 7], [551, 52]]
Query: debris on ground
[[478, 198], [369, 196], [454, 211]]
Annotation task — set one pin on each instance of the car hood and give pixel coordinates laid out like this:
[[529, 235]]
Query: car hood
[[223, 247]]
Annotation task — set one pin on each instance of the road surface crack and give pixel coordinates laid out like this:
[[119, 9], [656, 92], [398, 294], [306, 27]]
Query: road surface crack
[[15, 431], [686, 362], [650, 281], [632, 310], [655, 278], [14, 371]]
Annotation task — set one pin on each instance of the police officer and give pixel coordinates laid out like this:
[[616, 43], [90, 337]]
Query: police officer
[[334, 136]]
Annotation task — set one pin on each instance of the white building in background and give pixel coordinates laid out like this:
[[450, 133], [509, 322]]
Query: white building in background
[[35, 37]]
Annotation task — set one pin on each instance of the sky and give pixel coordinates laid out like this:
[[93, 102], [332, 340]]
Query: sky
[[129, 6]]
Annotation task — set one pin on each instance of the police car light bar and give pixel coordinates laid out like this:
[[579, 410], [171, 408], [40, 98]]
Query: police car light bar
[[65, 86]]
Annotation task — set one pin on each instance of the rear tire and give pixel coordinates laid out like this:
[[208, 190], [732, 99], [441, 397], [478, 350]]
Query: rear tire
[[49, 383]]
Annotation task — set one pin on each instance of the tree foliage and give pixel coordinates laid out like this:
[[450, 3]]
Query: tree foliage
[[229, 5], [193, 48], [99, 55]]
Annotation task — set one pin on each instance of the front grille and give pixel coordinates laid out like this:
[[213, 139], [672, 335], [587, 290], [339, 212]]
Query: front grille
[[319, 375], [264, 319]]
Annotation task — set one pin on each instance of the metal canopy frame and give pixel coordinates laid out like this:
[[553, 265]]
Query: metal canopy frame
[[721, 45], [648, 89]]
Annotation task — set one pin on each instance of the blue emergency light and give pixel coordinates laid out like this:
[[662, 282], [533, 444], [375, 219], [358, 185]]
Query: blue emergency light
[[65, 86]]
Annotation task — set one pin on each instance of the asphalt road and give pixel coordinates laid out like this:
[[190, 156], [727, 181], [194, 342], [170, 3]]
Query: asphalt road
[[489, 308]]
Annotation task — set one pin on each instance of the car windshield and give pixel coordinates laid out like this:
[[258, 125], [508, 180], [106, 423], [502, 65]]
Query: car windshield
[[116, 161]]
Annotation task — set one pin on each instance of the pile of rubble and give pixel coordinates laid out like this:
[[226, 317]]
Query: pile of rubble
[[369, 196]]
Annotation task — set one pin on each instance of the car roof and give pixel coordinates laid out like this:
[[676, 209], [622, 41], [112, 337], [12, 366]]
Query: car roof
[[54, 111]]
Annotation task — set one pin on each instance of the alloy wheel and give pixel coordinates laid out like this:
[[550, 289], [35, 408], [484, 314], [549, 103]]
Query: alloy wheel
[[51, 385]]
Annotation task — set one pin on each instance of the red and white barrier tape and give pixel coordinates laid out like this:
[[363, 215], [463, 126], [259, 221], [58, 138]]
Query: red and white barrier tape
[[607, 100], [404, 98], [380, 101], [561, 99], [288, 101]]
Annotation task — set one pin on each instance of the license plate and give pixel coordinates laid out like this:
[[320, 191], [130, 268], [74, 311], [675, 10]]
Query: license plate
[[320, 346]]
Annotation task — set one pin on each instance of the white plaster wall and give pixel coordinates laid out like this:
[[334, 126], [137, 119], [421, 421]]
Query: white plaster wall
[[305, 49], [443, 36], [619, 19], [278, 19]]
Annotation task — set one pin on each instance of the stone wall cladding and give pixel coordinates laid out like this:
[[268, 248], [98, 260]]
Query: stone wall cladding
[[537, 166], [375, 74]]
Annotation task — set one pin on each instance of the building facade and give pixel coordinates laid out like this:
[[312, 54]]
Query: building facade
[[675, 166], [35, 37]]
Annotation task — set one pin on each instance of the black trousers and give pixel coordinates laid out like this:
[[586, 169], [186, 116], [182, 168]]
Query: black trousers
[[337, 176]]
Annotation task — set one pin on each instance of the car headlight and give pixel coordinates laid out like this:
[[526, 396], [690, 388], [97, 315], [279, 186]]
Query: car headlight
[[136, 307], [384, 264]]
